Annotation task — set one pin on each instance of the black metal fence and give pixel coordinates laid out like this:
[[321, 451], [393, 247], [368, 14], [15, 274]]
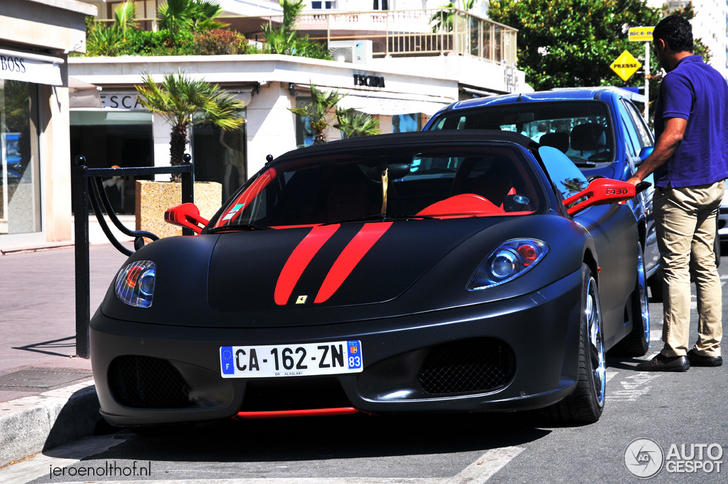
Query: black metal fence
[[87, 191]]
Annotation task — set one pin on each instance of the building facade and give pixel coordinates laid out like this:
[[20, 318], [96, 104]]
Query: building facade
[[36, 37], [401, 93]]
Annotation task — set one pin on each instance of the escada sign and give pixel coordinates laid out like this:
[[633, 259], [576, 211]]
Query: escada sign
[[369, 81], [117, 100]]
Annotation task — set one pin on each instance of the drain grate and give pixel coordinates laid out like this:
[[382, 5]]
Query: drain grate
[[33, 378]]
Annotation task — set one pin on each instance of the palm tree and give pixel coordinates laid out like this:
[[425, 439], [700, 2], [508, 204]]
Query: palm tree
[[319, 112], [103, 40], [125, 17], [183, 101], [282, 40], [355, 124], [194, 15]]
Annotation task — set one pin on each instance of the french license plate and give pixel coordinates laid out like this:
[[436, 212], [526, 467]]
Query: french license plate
[[328, 358]]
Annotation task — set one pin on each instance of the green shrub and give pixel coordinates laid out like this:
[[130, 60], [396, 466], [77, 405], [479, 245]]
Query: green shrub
[[220, 42]]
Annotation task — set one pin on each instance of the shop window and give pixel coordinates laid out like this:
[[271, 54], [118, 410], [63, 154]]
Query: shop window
[[220, 156], [20, 209], [304, 133], [114, 138], [403, 123]]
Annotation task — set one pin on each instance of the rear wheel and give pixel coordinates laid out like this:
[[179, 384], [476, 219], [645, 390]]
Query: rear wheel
[[585, 405], [637, 342]]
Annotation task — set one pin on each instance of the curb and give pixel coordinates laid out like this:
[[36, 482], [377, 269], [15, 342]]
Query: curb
[[30, 425]]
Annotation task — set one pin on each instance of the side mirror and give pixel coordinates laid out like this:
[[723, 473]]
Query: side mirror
[[601, 191], [186, 215], [645, 152]]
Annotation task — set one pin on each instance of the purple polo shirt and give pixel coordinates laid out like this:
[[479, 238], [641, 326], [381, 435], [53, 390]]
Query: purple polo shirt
[[698, 93]]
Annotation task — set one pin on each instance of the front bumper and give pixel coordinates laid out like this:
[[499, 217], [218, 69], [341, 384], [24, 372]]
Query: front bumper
[[523, 354]]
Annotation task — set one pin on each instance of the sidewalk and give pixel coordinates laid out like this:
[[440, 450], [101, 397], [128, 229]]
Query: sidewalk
[[46, 393]]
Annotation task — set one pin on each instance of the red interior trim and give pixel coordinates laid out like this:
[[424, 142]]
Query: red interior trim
[[299, 260], [465, 204], [350, 257], [313, 412]]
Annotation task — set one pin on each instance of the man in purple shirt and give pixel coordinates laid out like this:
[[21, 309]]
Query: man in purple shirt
[[690, 165]]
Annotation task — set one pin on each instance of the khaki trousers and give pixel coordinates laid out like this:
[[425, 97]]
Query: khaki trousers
[[686, 222]]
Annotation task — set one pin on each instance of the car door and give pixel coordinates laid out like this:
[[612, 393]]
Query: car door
[[613, 231], [639, 138]]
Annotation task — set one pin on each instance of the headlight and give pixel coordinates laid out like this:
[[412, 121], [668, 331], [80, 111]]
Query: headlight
[[511, 259], [135, 283]]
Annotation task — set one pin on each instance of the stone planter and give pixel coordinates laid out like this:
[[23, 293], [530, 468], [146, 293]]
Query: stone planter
[[154, 198]]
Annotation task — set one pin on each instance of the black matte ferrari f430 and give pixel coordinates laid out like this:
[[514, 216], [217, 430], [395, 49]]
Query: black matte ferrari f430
[[424, 272]]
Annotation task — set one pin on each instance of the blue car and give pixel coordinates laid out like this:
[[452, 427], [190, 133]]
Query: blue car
[[600, 129]]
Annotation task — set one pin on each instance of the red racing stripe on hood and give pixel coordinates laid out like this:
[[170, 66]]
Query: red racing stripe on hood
[[299, 260], [350, 257]]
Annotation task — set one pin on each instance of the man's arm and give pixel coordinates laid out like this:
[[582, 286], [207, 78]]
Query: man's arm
[[665, 147]]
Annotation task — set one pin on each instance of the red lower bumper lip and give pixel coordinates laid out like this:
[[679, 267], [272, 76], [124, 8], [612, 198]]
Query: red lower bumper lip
[[313, 412]]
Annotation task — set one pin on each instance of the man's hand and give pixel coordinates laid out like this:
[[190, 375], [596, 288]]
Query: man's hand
[[634, 180]]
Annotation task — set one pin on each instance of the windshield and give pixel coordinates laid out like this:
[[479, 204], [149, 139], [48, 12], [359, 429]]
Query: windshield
[[580, 129], [393, 183]]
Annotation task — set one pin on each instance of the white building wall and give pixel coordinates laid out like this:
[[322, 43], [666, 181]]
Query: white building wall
[[710, 25], [271, 127]]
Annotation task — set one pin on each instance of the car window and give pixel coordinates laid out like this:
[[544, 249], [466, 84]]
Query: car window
[[453, 182], [630, 133], [581, 129], [564, 174], [645, 136]]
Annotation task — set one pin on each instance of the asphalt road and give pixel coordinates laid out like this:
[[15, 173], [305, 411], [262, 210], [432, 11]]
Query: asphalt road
[[680, 415]]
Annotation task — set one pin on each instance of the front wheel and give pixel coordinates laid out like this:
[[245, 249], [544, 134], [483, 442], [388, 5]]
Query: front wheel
[[585, 405]]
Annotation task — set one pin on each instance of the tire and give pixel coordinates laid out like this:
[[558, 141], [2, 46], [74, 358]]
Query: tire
[[637, 342], [586, 404]]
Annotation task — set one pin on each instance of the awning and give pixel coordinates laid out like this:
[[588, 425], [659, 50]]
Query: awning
[[389, 106], [82, 94], [38, 69], [251, 8]]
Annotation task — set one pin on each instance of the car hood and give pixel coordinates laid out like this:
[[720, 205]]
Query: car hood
[[331, 265]]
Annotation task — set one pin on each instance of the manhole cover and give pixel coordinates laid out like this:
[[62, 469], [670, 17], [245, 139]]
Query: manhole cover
[[32, 378]]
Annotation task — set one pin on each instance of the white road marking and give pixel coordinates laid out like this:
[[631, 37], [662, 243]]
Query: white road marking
[[633, 387], [485, 467], [68, 455]]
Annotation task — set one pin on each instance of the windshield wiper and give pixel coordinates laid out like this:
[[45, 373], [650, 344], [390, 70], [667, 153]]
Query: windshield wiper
[[383, 218], [248, 226]]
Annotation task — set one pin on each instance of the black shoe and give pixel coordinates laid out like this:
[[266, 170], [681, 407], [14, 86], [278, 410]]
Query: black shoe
[[665, 363], [697, 360]]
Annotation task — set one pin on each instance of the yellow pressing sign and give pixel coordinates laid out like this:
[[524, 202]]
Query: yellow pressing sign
[[625, 65], [641, 34]]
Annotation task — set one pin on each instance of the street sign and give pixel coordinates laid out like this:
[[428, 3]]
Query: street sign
[[641, 34], [625, 65]]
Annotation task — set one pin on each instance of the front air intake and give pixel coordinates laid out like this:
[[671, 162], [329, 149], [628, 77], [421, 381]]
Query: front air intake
[[145, 382], [469, 366]]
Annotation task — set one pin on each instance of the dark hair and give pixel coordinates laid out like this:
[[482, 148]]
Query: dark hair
[[677, 33]]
